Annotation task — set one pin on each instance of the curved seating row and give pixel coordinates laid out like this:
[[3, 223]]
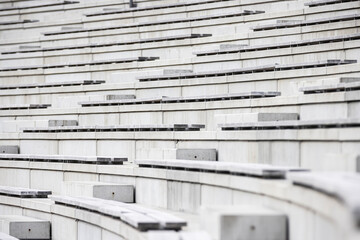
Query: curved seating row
[[153, 7], [308, 42], [181, 20], [249, 70], [47, 4], [64, 158], [23, 192], [302, 23], [119, 43], [159, 100], [25, 106], [299, 124], [52, 84], [318, 3], [92, 63], [339, 87], [138, 217], [243, 169], [123, 128]]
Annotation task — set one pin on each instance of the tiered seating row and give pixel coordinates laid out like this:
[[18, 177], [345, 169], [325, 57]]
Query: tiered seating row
[[127, 128], [39, 6], [23, 192], [144, 24], [100, 62], [54, 84], [309, 42], [220, 97], [344, 186], [25, 106], [326, 2], [138, 217], [155, 7], [64, 158], [340, 87], [247, 169], [249, 70], [18, 22], [275, 125], [299, 23], [96, 45]]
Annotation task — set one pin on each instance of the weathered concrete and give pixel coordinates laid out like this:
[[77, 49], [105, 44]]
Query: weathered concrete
[[245, 222], [25, 227], [196, 154]]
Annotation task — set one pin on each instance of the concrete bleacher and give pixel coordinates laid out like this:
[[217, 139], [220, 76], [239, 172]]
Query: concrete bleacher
[[174, 119]]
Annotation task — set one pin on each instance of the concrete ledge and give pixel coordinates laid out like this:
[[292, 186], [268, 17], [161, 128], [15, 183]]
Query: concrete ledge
[[246, 169], [125, 128], [250, 70], [55, 84], [139, 217], [63, 158], [144, 24], [300, 124], [289, 23], [344, 186], [159, 100], [23, 192], [25, 106]]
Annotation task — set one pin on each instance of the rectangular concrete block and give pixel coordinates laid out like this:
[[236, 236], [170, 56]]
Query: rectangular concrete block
[[25, 227], [62, 123], [196, 154], [120, 96], [117, 192], [9, 149], [244, 222]]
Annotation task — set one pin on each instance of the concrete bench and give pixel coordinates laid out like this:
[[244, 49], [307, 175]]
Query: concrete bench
[[155, 7], [55, 3], [244, 169], [23, 192], [275, 125], [63, 158], [138, 217], [4, 236], [109, 44], [181, 235], [326, 2], [340, 87], [18, 22], [124, 128], [25, 106], [244, 222], [80, 64], [249, 70], [62, 123], [54, 84], [254, 117], [9, 149], [164, 22], [302, 23], [343, 186], [158, 100], [109, 191], [23, 227], [309, 42]]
